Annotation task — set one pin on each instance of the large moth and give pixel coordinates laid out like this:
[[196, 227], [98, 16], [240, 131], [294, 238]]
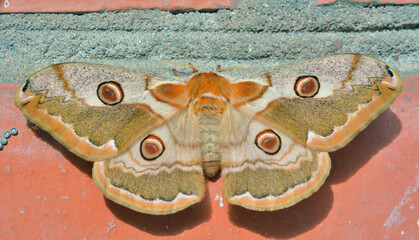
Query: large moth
[[153, 140]]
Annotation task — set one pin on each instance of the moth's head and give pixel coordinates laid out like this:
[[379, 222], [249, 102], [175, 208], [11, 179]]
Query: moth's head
[[209, 91]]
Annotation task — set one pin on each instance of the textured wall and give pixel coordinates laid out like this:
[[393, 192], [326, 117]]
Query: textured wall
[[257, 33]]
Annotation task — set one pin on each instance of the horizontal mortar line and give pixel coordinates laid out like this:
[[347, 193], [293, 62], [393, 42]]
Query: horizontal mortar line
[[268, 58], [383, 29], [240, 31], [131, 11], [204, 59]]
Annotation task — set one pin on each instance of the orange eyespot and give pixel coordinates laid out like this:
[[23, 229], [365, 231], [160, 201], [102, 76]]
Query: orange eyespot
[[110, 93], [151, 147], [268, 141], [307, 86]]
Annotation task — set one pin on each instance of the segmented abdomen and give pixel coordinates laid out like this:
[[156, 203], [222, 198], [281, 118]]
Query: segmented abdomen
[[209, 140]]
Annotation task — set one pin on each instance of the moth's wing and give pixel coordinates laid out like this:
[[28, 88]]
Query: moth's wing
[[167, 184], [354, 90], [63, 100], [264, 181]]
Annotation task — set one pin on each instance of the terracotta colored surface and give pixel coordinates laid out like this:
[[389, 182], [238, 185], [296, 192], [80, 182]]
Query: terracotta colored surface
[[8, 6], [48, 193], [320, 2]]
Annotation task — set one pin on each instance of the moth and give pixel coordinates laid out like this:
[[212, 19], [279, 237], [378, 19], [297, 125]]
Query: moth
[[153, 140]]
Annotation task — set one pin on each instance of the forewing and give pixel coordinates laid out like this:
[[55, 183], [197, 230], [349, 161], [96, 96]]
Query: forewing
[[63, 100], [353, 91]]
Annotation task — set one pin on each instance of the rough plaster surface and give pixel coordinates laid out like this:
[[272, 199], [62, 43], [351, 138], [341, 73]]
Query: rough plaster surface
[[257, 34]]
